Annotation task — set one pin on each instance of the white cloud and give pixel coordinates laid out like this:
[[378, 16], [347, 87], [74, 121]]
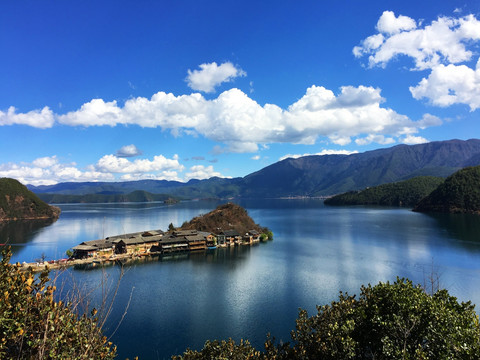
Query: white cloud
[[413, 140], [241, 125], [48, 171], [164, 175], [211, 75], [379, 139], [321, 153], [114, 164], [201, 172], [255, 157], [37, 118], [451, 84], [390, 24], [128, 151], [442, 41], [45, 162]]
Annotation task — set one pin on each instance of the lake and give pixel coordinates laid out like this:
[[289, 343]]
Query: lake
[[247, 292]]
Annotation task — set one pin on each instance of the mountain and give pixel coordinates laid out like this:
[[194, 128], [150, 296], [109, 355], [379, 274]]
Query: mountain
[[225, 217], [309, 175], [135, 196], [460, 193], [214, 187], [333, 174], [19, 203], [403, 193]]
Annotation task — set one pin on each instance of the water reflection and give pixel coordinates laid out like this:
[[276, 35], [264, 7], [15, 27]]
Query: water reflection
[[460, 226], [20, 232]]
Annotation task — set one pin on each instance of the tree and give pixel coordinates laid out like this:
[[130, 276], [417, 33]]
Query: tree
[[171, 227], [387, 321], [390, 321], [35, 326]]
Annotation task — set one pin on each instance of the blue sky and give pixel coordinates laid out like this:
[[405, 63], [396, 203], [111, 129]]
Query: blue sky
[[175, 90]]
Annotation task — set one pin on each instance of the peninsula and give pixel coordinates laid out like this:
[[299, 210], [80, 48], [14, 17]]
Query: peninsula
[[227, 225]]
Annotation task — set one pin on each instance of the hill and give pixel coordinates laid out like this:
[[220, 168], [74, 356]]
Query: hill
[[19, 203], [460, 193], [135, 196], [225, 217], [403, 193], [307, 176]]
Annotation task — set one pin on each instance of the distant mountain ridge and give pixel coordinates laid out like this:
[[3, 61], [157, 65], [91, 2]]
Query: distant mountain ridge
[[135, 196], [308, 176]]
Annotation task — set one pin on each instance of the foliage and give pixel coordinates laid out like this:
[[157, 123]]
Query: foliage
[[460, 193], [224, 217], [225, 350], [403, 193], [35, 326], [17, 202], [390, 321], [387, 321]]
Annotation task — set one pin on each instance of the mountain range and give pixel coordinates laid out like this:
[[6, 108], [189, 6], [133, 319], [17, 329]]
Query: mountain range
[[316, 175]]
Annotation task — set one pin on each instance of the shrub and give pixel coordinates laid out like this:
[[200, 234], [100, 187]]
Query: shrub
[[35, 326]]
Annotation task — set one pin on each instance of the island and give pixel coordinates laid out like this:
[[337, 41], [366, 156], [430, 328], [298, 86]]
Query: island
[[19, 203]]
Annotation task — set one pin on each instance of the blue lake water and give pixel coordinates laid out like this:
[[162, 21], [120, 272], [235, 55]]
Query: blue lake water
[[247, 292]]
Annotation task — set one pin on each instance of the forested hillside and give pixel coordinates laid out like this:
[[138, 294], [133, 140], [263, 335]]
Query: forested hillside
[[460, 193], [403, 193], [224, 217], [17, 202]]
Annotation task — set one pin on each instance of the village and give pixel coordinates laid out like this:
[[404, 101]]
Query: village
[[148, 243]]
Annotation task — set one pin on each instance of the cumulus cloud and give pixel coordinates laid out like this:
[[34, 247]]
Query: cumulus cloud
[[48, 171], [37, 118], [240, 125], [211, 75], [321, 153], [201, 172], [442, 41], [379, 139], [439, 47], [128, 151], [413, 140], [391, 24], [451, 84], [255, 157], [114, 164]]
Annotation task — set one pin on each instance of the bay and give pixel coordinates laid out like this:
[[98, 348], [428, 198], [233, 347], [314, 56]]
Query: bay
[[246, 292]]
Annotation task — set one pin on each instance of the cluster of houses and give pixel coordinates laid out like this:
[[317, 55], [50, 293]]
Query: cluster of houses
[[159, 242]]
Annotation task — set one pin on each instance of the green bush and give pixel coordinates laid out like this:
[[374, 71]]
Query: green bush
[[387, 321], [35, 326]]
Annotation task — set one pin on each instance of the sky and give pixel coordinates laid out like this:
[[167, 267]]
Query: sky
[[190, 89]]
